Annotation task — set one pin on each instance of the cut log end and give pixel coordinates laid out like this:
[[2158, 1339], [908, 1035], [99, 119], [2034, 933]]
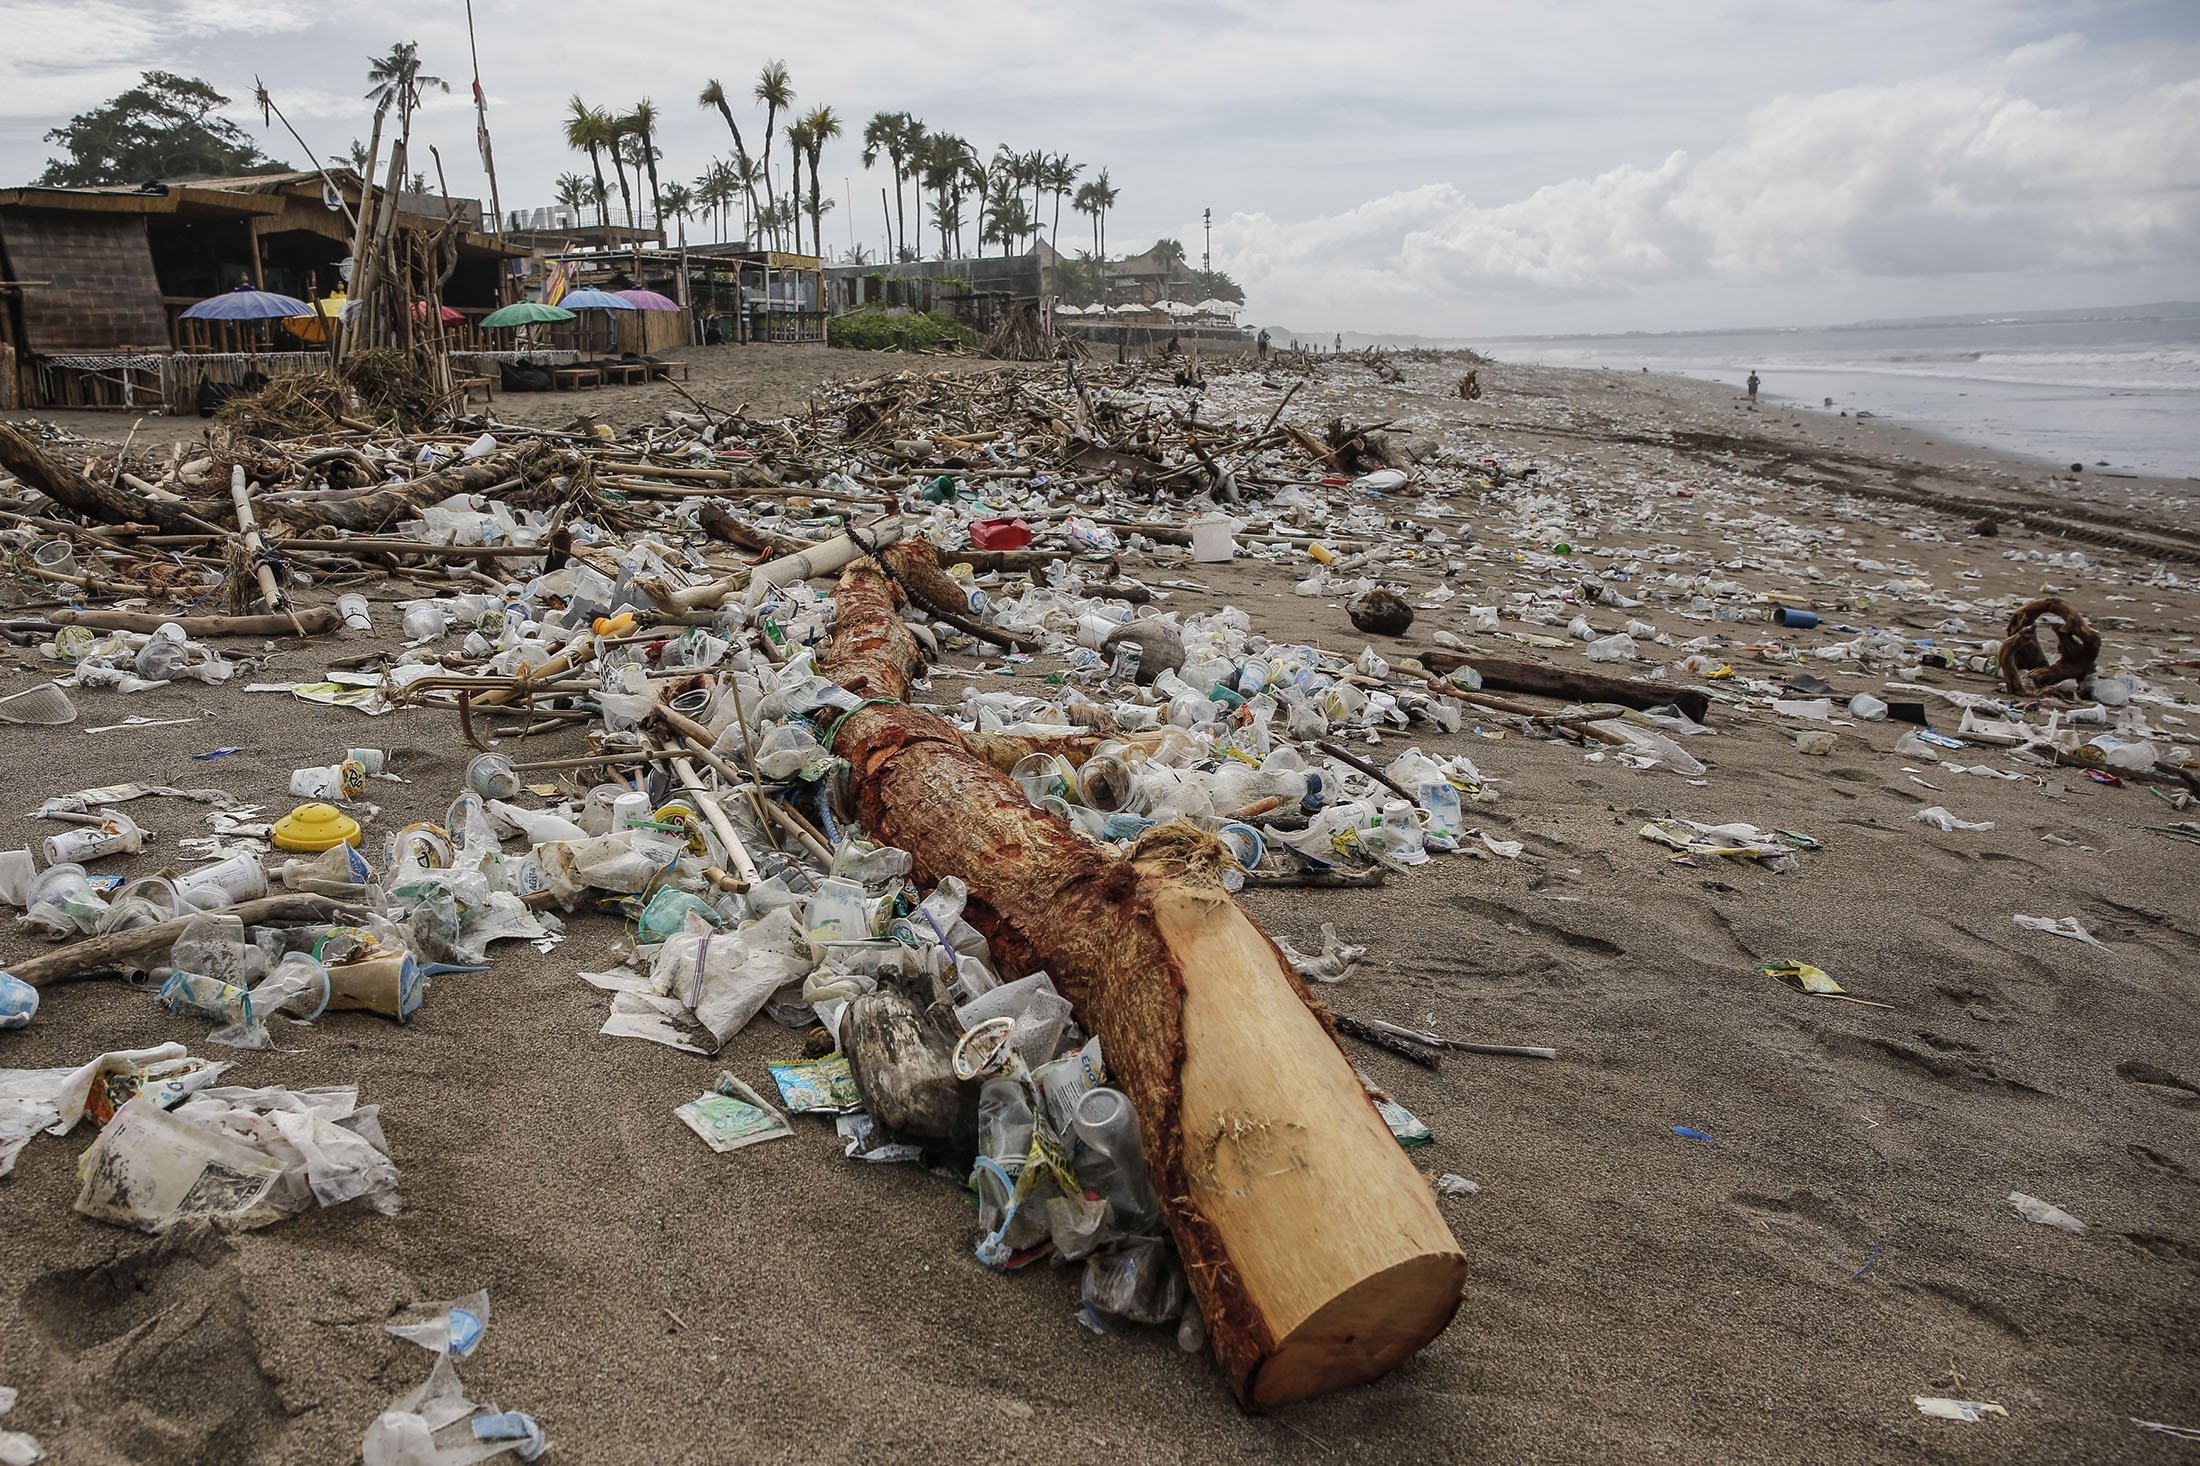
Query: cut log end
[[1364, 1332]]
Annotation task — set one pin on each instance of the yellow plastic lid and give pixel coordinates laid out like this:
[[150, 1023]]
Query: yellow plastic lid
[[315, 827]]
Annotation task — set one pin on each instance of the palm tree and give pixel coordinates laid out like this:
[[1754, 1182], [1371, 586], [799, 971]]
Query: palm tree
[[798, 137], [776, 92], [1006, 220], [1086, 201], [818, 129], [714, 95], [1033, 170], [1168, 253], [584, 133], [714, 193], [1061, 178], [1103, 195], [643, 119], [952, 170], [745, 173], [615, 137], [573, 191], [677, 203], [915, 138], [392, 81], [890, 133], [947, 217]]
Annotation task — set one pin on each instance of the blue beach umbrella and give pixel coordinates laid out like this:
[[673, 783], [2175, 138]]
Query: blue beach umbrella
[[594, 300], [244, 304]]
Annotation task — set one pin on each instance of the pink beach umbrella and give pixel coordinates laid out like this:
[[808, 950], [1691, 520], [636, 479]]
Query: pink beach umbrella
[[649, 300]]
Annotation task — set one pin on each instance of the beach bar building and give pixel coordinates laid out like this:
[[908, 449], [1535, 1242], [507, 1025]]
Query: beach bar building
[[93, 281]]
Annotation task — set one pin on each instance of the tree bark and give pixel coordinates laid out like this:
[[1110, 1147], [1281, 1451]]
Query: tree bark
[[1313, 1247]]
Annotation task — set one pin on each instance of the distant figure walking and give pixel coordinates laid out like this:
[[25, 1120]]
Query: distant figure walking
[[1264, 343], [1753, 384], [1338, 348]]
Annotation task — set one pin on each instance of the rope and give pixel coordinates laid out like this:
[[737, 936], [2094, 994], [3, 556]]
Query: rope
[[832, 733]]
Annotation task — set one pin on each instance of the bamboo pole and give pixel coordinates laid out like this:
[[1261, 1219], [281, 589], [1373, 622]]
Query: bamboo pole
[[270, 592]]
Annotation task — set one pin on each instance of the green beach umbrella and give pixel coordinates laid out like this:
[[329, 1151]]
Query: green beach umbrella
[[526, 313]]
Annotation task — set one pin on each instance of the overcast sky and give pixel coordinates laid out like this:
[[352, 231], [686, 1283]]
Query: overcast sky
[[1457, 168]]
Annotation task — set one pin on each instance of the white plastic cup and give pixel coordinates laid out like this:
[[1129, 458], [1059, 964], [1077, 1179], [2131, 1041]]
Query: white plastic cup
[[239, 878], [628, 808], [1093, 629], [341, 782], [56, 557], [353, 608], [91, 842], [493, 777]]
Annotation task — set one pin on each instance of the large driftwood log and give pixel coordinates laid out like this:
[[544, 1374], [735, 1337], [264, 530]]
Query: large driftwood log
[[1314, 1248], [88, 498], [380, 509], [1501, 674], [100, 954]]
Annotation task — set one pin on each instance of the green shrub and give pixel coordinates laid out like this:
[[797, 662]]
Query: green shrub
[[875, 330]]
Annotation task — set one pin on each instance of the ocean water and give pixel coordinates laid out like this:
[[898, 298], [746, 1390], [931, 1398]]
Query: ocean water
[[2114, 388]]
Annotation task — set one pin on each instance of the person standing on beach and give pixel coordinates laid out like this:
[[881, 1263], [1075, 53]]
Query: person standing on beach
[[1753, 384], [1264, 343], [1337, 348]]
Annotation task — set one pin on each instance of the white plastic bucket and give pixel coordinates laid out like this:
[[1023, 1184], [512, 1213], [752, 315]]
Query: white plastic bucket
[[1211, 539]]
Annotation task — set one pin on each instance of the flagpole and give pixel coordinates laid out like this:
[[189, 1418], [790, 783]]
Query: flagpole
[[481, 133]]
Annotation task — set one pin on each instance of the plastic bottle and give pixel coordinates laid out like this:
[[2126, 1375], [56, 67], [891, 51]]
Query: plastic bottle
[[540, 826], [1113, 1161], [1004, 1143]]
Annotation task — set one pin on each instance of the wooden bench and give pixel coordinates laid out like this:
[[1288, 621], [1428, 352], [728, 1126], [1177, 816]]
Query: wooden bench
[[468, 386], [627, 373], [567, 379], [662, 370]]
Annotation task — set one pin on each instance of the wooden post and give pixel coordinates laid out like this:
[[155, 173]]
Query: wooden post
[[1313, 1247]]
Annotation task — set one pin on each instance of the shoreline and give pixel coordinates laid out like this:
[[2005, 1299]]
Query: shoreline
[[1972, 437]]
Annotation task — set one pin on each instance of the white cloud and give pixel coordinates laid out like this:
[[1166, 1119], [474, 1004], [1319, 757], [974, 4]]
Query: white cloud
[[1940, 176], [1593, 152]]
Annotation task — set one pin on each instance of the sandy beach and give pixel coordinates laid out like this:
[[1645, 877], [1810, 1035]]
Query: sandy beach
[[1834, 1240]]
